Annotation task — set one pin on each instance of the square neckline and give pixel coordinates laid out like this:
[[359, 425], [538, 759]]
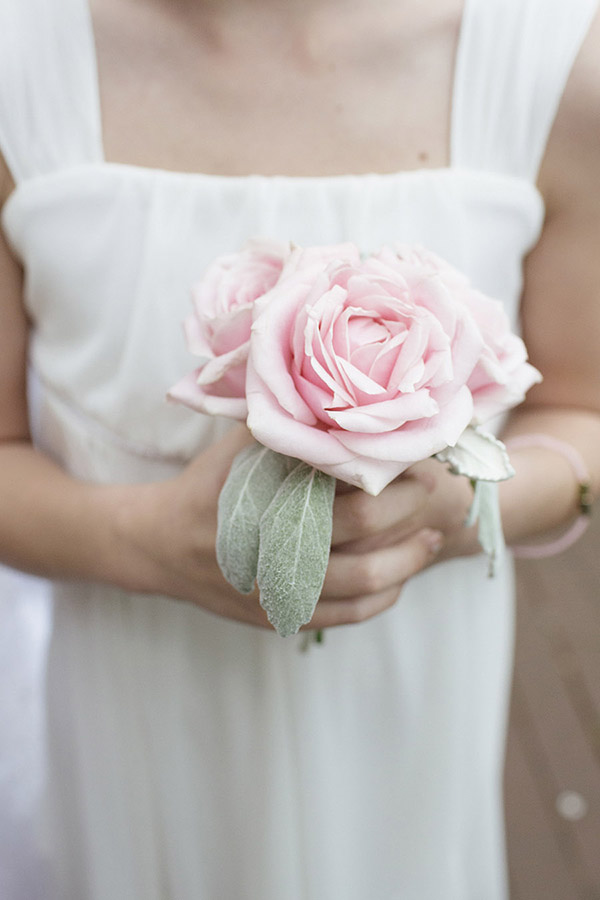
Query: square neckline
[[159, 171]]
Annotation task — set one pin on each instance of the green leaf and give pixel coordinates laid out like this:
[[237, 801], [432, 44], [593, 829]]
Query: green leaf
[[254, 478], [295, 538]]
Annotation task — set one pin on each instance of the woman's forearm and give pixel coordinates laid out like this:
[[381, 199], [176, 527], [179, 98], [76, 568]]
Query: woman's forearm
[[55, 526]]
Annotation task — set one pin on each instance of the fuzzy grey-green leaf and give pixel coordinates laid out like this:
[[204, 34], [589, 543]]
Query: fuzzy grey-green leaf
[[486, 510], [478, 454], [295, 538], [254, 478]]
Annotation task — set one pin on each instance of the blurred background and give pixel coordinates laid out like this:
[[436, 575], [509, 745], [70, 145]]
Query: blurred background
[[553, 759]]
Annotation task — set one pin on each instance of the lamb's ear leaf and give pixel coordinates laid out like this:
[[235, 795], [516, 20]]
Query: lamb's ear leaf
[[484, 459], [295, 539], [485, 510], [253, 480], [478, 455]]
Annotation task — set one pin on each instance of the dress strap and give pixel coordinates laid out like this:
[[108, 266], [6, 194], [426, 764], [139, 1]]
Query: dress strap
[[49, 109], [513, 63]]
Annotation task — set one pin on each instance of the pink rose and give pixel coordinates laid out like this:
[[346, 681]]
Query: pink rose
[[361, 369], [218, 330], [502, 375]]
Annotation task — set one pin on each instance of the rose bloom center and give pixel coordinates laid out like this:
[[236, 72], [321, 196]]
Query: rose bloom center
[[354, 357]]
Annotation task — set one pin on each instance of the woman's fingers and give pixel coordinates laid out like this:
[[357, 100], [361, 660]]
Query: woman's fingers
[[369, 588], [359, 587], [331, 613], [365, 574], [358, 515]]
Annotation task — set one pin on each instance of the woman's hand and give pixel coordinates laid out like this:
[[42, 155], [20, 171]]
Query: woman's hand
[[378, 542], [169, 530]]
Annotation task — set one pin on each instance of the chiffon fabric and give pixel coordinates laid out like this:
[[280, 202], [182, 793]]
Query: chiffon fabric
[[195, 758]]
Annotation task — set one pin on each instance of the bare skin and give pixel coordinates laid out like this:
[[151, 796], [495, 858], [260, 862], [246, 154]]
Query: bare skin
[[276, 88], [356, 82]]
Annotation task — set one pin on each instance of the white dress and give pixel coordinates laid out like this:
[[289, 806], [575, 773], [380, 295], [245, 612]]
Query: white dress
[[194, 758]]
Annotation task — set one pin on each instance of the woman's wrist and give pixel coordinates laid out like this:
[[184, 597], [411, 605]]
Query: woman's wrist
[[547, 497], [582, 494], [134, 544], [542, 501]]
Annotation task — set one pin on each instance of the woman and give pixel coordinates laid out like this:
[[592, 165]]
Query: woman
[[192, 756]]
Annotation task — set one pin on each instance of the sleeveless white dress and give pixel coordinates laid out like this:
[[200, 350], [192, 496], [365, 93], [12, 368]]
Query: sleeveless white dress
[[193, 758]]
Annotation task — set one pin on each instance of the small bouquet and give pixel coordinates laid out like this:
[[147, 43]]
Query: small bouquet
[[344, 367]]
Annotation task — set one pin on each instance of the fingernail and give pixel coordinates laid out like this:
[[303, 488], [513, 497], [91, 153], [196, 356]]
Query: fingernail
[[433, 540]]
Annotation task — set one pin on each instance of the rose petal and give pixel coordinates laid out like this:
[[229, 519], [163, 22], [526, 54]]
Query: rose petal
[[187, 392], [311, 261], [493, 399], [195, 337], [371, 475], [416, 440], [270, 352], [317, 398], [216, 368], [360, 380], [230, 331], [388, 415], [319, 347], [279, 431]]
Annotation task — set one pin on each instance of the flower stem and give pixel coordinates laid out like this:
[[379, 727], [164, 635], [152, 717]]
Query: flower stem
[[312, 637]]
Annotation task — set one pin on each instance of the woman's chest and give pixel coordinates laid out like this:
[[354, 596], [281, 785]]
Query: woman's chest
[[324, 96]]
